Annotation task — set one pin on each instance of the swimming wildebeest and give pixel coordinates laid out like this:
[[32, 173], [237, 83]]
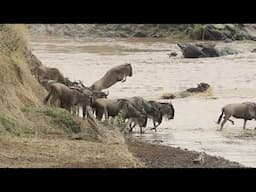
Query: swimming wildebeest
[[201, 87], [68, 98], [118, 73], [112, 107], [154, 110], [246, 111]]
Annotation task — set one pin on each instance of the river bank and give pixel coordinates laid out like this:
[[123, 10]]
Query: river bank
[[171, 31], [64, 153], [160, 156]]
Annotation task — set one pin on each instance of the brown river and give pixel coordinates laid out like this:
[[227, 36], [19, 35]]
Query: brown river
[[232, 77]]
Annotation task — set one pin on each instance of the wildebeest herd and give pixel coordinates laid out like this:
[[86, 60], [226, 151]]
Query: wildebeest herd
[[94, 102]]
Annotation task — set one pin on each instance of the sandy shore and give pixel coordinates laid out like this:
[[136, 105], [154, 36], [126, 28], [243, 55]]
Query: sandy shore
[[159, 156]]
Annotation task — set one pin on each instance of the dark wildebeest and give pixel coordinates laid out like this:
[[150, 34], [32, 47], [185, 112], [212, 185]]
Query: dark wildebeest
[[165, 109], [154, 110], [112, 107], [118, 73], [145, 107], [201, 87], [68, 98], [246, 111]]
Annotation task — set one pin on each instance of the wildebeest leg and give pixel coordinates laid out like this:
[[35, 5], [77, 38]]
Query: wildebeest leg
[[77, 110], [124, 79], [46, 99], [156, 125], [130, 125], [72, 110], [224, 121], [231, 121], [84, 112], [99, 115], [106, 113], [53, 100], [141, 129], [244, 124]]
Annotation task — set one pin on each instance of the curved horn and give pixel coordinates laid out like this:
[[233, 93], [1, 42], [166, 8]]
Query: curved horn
[[80, 82]]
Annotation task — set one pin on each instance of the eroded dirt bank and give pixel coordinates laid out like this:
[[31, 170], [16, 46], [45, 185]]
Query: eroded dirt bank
[[63, 153]]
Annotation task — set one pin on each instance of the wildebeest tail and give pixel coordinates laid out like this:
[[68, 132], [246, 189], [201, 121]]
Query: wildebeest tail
[[220, 117]]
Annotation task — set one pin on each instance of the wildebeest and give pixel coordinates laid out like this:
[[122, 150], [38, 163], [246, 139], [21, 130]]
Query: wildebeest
[[246, 111], [78, 86], [201, 87], [154, 110], [145, 107], [48, 73], [165, 109], [118, 73], [112, 107], [95, 95], [68, 98]]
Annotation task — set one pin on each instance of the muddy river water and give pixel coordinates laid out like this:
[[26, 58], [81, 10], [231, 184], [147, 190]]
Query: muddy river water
[[232, 77]]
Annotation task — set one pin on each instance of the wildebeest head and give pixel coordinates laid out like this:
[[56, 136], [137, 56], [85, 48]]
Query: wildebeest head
[[47, 83], [251, 109], [129, 69], [167, 109], [67, 82], [203, 86]]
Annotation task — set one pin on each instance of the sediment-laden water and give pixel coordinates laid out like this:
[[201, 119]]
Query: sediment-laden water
[[233, 79]]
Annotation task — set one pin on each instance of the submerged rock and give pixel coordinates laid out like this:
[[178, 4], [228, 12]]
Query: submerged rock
[[200, 50]]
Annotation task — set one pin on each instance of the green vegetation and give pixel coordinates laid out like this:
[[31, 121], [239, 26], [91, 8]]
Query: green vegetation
[[119, 119], [7, 123], [197, 32], [62, 118]]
